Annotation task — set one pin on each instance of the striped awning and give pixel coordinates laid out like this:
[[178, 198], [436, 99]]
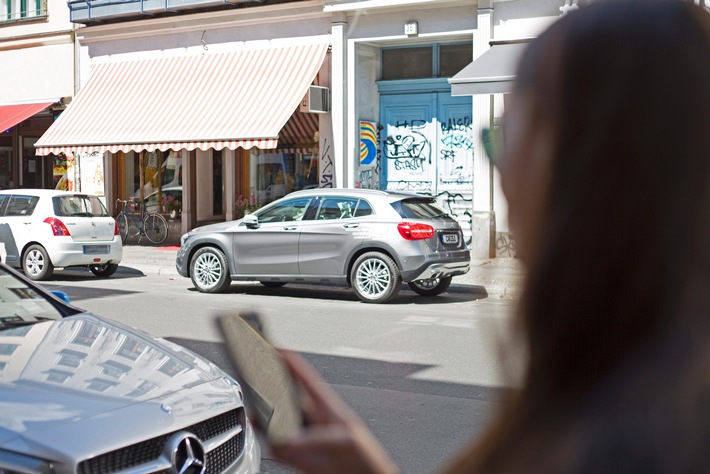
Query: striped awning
[[12, 114], [212, 100], [298, 135]]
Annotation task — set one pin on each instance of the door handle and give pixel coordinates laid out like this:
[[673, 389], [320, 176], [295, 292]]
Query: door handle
[[351, 226], [291, 227]]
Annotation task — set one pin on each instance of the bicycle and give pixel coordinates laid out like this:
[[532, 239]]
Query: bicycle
[[151, 224]]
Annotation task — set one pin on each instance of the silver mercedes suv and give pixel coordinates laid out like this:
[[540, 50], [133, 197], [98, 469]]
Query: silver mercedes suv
[[370, 240]]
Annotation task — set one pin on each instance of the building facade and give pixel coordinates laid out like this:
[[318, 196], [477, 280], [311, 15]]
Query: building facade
[[37, 53], [166, 127]]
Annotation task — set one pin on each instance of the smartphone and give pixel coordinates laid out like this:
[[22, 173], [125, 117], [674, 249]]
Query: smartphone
[[271, 395]]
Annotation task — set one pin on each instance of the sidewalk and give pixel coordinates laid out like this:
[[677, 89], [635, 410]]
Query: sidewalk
[[501, 277]]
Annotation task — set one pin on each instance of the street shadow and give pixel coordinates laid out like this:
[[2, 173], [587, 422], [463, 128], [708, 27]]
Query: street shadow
[[78, 293], [455, 293], [420, 423], [82, 273], [370, 373]]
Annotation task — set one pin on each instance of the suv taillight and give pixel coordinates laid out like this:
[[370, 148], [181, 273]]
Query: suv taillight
[[58, 227], [414, 231]]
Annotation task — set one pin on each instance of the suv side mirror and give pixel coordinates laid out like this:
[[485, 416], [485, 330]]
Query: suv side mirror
[[251, 221]]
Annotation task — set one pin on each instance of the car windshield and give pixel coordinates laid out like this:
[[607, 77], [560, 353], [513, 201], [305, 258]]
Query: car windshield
[[20, 304], [418, 209], [79, 205]]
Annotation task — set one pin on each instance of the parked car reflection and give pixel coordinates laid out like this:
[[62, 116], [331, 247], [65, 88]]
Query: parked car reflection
[[79, 392]]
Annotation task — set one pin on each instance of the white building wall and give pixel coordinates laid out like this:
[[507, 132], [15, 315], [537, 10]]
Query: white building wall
[[367, 106], [38, 73], [39, 56]]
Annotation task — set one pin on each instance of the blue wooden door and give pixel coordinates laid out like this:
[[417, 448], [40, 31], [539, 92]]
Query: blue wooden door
[[427, 146], [427, 143], [408, 142]]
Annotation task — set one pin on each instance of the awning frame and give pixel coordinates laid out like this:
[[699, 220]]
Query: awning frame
[[493, 72]]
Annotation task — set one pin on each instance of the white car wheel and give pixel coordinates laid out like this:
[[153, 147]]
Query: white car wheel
[[36, 263]]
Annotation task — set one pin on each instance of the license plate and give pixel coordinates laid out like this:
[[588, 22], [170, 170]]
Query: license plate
[[450, 239], [96, 249]]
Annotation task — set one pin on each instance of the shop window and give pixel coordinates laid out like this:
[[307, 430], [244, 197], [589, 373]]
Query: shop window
[[162, 181], [217, 180], [278, 174], [16, 10], [422, 62], [5, 167]]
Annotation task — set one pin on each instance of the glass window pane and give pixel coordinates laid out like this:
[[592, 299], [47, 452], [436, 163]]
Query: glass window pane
[[363, 209], [290, 210], [418, 209], [453, 58], [407, 63], [336, 208], [21, 205]]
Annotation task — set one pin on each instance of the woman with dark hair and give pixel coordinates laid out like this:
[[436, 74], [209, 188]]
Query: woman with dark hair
[[606, 168]]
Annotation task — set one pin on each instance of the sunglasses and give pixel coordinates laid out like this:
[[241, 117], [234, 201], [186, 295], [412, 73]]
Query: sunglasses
[[492, 139]]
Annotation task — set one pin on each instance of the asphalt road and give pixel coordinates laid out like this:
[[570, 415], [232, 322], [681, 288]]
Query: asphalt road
[[423, 373]]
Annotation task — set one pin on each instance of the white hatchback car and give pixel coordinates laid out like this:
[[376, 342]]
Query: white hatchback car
[[44, 229]]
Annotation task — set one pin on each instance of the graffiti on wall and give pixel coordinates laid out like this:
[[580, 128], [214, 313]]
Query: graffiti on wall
[[456, 150], [368, 173], [434, 158], [505, 245], [368, 143], [460, 207], [327, 167], [407, 147]]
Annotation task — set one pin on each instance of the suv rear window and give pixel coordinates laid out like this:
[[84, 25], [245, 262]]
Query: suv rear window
[[79, 205], [418, 209]]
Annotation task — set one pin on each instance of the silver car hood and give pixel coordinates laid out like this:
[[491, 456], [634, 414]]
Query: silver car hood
[[83, 385]]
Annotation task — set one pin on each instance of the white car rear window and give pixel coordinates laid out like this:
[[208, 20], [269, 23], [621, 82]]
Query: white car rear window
[[78, 205]]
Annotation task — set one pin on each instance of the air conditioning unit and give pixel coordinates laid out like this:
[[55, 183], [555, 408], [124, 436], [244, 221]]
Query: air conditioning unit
[[316, 101]]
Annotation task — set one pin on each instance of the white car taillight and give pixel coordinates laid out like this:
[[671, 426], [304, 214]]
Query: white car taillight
[[116, 230], [415, 231], [58, 227]]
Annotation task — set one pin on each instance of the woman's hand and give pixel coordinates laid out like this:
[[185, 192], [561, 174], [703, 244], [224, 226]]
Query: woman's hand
[[334, 440]]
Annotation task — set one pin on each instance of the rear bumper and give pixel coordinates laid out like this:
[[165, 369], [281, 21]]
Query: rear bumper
[[442, 265], [66, 254], [443, 270]]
